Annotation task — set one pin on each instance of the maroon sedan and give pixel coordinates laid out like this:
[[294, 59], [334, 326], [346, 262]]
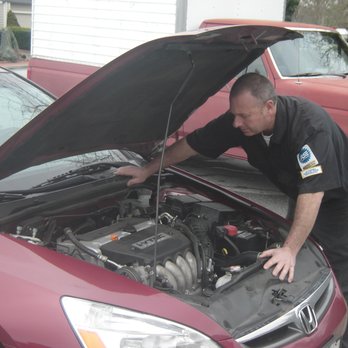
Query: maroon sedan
[[88, 262]]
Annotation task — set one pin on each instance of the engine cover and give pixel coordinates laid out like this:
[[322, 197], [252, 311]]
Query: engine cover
[[139, 247]]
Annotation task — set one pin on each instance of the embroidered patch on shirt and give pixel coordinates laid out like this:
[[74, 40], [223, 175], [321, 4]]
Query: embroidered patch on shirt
[[306, 158], [311, 171]]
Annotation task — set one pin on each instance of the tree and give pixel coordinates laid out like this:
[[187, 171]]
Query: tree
[[291, 6], [12, 19], [323, 12]]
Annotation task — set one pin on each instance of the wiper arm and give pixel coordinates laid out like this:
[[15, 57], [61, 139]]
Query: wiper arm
[[8, 196], [47, 186], [73, 177], [58, 184], [314, 74]]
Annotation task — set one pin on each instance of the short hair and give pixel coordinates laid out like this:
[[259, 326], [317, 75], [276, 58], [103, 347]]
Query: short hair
[[259, 86]]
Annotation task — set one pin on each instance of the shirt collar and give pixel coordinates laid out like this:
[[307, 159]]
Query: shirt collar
[[280, 123]]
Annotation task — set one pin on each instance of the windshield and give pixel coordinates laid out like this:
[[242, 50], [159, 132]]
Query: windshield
[[316, 53], [32, 176], [19, 103]]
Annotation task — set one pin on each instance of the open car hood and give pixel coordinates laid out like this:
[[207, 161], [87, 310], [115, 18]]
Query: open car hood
[[126, 103]]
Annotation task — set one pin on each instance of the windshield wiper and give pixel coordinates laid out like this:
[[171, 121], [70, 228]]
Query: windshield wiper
[[73, 177], [314, 74], [7, 196]]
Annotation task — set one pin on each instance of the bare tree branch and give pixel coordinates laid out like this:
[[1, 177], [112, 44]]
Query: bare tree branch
[[323, 12]]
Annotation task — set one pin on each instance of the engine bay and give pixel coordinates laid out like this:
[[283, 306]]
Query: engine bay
[[198, 246]]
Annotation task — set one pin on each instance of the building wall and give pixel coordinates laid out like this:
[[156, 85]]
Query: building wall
[[2, 15], [93, 32], [72, 38], [4, 7], [198, 10]]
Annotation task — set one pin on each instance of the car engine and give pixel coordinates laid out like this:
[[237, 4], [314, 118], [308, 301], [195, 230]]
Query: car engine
[[197, 246]]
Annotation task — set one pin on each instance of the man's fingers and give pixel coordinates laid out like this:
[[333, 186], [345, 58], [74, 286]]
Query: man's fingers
[[130, 183], [133, 181], [283, 267], [123, 171], [267, 253], [287, 272], [271, 262], [284, 272], [291, 274], [277, 269]]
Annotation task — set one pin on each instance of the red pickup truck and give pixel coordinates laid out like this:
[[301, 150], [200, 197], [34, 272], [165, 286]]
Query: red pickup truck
[[314, 67]]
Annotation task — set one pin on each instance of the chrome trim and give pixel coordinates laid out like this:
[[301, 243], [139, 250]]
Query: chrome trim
[[294, 316], [312, 29]]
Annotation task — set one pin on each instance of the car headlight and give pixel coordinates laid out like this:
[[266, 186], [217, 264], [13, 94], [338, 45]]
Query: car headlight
[[99, 325]]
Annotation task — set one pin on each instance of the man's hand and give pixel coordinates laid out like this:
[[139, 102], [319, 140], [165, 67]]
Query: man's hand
[[283, 260], [175, 153], [138, 174]]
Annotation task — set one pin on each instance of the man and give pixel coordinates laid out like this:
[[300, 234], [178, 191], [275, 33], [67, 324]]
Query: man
[[299, 148]]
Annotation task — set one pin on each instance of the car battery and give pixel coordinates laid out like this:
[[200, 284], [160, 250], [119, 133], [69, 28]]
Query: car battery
[[248, 241]]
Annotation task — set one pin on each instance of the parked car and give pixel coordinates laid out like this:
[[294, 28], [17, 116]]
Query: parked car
[[89, 262], [314, 66]]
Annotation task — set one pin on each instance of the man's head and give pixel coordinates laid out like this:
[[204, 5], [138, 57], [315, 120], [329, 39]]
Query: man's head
[[253, 104]]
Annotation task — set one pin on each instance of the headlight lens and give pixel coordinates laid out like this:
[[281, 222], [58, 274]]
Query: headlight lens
[[100, 325]]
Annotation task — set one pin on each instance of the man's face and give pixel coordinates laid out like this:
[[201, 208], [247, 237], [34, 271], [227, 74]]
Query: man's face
[[252, 116]]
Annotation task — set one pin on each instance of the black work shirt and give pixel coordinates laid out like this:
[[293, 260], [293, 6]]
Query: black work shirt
[[307, 152]]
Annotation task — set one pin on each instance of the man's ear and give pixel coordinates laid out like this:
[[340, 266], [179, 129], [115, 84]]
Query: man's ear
[[270, 106]]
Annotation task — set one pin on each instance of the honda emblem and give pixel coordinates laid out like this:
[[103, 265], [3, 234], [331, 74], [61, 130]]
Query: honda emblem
[[308, 319]]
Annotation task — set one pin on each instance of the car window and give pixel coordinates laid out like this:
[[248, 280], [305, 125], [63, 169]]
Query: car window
[[314, 54], [256, 66], [19, 103], [35, 175]]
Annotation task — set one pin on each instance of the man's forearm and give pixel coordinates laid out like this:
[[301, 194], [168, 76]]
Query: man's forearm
[[307, 208], [176, 153]]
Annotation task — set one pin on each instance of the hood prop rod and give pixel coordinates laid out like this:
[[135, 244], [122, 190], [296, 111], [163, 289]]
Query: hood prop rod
[[182, 87]]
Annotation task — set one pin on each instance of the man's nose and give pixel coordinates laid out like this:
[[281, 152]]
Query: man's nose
[[237, 122]]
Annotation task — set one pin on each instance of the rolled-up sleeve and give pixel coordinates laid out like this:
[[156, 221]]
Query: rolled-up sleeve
[[216, 137]]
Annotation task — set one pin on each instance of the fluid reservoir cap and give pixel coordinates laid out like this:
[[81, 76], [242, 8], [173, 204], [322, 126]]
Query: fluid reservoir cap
[[231, 230]]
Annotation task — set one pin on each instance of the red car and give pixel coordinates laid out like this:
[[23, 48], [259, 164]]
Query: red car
[[88, 262], [314, 66]]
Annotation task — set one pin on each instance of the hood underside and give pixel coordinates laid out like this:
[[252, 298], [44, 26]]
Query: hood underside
[[126, 103]]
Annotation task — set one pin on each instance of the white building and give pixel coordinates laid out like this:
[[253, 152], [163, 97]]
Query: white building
[[76, 36]]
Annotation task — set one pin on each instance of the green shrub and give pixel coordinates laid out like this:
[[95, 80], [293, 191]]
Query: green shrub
[[12, 19], [23, 37]]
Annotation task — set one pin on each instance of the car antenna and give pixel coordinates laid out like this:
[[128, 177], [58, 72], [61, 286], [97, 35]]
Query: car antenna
[[182, 87]]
